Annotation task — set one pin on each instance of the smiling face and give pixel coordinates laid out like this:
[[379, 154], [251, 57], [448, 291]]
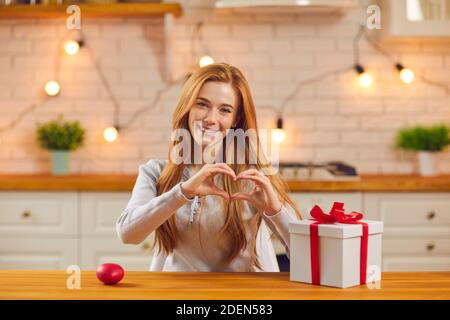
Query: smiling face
[[213, 113]]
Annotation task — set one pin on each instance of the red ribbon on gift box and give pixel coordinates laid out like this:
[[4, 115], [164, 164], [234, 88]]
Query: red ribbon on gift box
[[337, 214]]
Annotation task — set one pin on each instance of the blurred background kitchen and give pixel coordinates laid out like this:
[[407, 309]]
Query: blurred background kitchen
[[358, 92]]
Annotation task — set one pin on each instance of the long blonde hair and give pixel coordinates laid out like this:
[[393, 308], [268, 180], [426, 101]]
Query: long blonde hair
[[233, 229]]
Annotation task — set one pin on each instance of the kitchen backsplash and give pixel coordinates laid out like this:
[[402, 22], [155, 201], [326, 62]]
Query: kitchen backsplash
[[333, 119]]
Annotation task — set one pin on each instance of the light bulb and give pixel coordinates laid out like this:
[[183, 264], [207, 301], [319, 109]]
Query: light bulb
[[365, 79], [278, 135], [110, 134], [205, 61], [71, 47], [52, 88], [407, 75]]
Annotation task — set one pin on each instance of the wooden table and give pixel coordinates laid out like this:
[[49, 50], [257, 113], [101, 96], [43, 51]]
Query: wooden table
[[213, 286], [125, 182]]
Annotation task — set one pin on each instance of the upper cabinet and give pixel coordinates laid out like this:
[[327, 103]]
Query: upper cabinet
[[419, 18]]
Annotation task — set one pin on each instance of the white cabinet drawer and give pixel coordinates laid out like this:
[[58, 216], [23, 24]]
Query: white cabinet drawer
[[100, 210], [305, 201], [96, 251], [36, 213], [416, 246], [38, 253], [410, 210], [415, 263]]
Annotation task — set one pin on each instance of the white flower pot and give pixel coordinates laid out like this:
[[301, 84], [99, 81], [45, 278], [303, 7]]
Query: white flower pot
[[426, 163]]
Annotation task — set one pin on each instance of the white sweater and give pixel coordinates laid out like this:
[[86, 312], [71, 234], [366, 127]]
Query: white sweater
[[199, 247]]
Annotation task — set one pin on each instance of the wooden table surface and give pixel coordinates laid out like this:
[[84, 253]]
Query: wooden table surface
[[20, 284], [124, 182]]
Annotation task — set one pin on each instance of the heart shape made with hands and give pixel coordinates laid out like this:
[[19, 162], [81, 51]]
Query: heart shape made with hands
[[244, 184]]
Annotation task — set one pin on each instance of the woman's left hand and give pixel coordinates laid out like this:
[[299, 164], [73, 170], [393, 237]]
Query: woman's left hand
[[263, 196]]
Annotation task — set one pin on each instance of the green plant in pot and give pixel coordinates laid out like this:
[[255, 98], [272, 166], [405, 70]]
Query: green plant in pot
[[60, 137], [427, 141]]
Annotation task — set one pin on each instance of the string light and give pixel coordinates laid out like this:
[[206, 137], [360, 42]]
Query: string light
[[278, 134], [52, 88], [205, 61], [364, 78], [71, 47], [406, 75], [111, 133]]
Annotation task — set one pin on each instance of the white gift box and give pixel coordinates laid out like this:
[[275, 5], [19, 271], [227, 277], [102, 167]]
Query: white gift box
[[339, 253]]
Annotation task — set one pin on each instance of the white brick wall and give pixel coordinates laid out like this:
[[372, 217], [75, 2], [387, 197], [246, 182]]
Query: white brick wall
[[331, 120]]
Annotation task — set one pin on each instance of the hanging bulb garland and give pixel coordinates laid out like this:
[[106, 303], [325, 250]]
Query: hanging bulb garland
[[365, 79], [110, 134], [52, 88], [205, 61], [406, 75], [71, 47], [278, 134]]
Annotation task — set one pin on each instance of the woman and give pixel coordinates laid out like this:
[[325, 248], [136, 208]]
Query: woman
[[202, 215]]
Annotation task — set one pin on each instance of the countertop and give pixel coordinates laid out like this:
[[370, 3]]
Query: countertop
[[121, 182], [19, 284]]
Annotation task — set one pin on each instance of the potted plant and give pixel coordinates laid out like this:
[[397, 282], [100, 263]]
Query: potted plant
[[427, 141], [60, 138]]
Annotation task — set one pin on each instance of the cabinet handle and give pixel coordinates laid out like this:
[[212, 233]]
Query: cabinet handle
[[430, 247], [26, 214], [431, 215]]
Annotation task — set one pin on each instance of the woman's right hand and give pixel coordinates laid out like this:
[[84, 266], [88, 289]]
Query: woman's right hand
[[202, 182]]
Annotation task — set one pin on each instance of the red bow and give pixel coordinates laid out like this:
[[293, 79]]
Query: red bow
[[337, 214]]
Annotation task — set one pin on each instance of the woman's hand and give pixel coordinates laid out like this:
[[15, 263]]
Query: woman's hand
[[262, 196], [202, 183]]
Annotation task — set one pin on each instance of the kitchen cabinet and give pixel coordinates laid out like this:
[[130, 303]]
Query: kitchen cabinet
[[38, 230], [26, 253], [416, 229], [99, 240], [419, 18], [95, 251], [52, 230], [39, 213]]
